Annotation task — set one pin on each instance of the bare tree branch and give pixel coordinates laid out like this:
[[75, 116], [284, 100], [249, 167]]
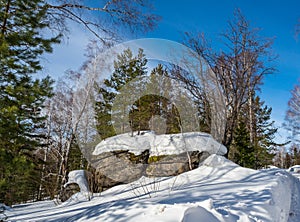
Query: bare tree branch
[[132, 14]]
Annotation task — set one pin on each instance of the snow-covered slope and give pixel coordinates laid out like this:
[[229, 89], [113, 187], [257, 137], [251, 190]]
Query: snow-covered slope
[[161, 144], [218, 190]]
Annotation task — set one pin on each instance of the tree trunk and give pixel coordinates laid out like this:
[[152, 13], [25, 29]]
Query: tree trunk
[[3, 29]]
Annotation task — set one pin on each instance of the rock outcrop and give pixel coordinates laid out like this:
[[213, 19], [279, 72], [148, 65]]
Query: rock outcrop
[[125, 158], [68, 191], [119, 167]]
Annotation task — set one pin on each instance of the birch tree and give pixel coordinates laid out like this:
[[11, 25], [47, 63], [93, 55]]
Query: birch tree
[[239, 69], [292, 117]]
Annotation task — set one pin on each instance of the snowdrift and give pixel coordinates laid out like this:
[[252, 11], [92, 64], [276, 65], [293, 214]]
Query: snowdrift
[[218, 190]]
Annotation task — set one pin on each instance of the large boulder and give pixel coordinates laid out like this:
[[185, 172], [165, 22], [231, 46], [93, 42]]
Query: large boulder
[[68, 191], [119, 167], [126, 157]]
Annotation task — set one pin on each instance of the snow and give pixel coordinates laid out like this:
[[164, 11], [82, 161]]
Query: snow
[[216, 160], [294, 169], [3, 209], [218, 190], [78, 176], [194, 214], [161, 144]]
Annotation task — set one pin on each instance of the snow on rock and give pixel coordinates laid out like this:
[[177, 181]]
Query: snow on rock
[[161, 144], [78, 177]]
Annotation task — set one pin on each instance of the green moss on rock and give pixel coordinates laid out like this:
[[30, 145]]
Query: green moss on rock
[[153, 159]]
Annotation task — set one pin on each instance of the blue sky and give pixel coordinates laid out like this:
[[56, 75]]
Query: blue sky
[[277, 19]]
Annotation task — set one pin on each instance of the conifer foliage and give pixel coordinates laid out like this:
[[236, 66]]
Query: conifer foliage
[[127, 68], [142, 111], [256, 152], [22, 96]]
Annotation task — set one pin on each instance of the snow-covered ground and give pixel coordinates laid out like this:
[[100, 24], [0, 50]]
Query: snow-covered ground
[[218, 190]]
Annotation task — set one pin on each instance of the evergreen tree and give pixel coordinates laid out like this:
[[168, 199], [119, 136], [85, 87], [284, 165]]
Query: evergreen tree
[[127, 68], [244, 150], [156, 108], [22, 97], [76, 159], [103, 113], [295, 154], [264, 134], [167, 109], [259, 151], [288, 161]]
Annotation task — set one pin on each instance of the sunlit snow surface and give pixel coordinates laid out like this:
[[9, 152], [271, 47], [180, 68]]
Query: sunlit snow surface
[[218, 190], [165, 144]]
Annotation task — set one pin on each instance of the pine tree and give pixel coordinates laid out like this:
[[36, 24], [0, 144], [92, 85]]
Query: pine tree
[[295, 154], [264, 134], [244, 150], [103, 113], [160, 77], [259, 151], [22, 97], [76, 159], [155, 111], [127, 67], [288, 161]]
